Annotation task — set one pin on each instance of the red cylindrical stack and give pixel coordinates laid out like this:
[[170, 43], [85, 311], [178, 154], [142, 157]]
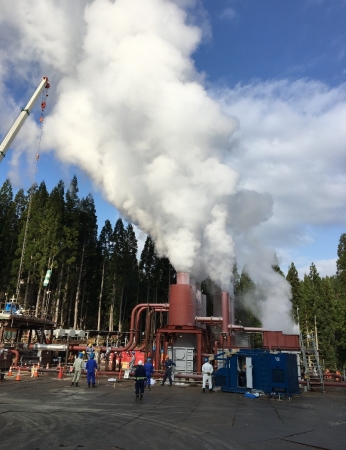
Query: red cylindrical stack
[[182, 303]]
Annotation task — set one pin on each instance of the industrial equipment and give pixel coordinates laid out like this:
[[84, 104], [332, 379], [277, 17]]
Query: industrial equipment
[[247, 369], [11, 134]]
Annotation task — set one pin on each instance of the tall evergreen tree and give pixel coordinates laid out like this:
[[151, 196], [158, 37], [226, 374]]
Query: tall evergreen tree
[[235, 278], [8, 235], [243, 313], [293, 278], [87, 253], [147, 267], [117, 272], [340, 285], [70, 251], [130, 276], [105, 246]]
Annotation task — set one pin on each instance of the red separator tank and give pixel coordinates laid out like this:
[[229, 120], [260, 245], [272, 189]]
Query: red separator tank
[[182, 302]]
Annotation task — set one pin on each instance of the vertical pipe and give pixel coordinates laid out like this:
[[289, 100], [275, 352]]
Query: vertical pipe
[[199, 352], [225, 312], [231, 314], [158, 350]]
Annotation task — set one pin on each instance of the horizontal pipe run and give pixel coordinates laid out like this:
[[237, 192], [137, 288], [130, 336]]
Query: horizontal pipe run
[[245, 329], [218, 320], [209, 320], [326, 383], [50, 347]]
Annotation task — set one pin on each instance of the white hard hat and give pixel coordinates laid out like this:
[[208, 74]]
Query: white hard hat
[[140, 363]]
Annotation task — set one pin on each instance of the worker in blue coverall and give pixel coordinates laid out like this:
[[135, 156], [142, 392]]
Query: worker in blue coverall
[[168, 371], [140, 378], [90, 368], [149, 370]]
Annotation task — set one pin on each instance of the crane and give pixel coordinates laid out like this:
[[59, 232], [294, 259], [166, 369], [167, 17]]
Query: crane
[[11, 134]]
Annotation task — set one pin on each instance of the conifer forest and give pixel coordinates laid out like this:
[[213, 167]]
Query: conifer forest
[[95, 278]]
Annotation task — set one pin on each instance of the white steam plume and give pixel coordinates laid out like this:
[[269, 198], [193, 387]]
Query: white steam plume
[[137, 119], [132, 112]]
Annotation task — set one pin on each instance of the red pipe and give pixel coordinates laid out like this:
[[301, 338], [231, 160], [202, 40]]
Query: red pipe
[[225, 312], [132, 339], [156, 307], [16, 353], [326, 383], [132, 344], [159, 308]]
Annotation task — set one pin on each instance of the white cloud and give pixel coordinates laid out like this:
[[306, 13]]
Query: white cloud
[[228, 14], [291, 144], [325, 268]]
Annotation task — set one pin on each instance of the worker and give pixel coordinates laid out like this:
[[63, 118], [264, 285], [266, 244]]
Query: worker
[[168, 371], [140, 378], [149, 370], [78, 366], [91, 367], [89, 350], [132, 362], [207, 370]]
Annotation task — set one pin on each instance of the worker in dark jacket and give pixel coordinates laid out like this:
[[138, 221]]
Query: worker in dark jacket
[[140, 378], [149, 370], [168, 371], [90, 368]]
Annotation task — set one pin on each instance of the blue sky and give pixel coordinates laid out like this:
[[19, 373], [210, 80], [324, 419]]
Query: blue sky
[[278, 70], [271, 39]]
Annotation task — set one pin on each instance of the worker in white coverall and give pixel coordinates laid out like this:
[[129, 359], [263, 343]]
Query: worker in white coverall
[[207, 371], [78, 367]]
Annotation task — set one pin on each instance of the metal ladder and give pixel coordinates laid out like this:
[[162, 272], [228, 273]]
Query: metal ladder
[[311, 360]]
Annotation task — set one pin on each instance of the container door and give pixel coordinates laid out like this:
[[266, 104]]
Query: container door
[[249, 382]]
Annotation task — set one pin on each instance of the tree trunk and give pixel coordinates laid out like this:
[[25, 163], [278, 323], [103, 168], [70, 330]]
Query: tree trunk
[[148, 289], [81, 319], [38, 297], [124, 308], [111, 309], [100, 297], [62, 321], [120, 323], [27, 288], [69, 309], [57, 304], [111, 312], [78, 289]]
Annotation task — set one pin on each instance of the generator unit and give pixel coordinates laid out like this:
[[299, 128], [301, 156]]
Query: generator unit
[[267, 371]]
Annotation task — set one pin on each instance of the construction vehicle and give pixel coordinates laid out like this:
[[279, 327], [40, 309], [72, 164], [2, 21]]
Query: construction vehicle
[[11, 134]]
